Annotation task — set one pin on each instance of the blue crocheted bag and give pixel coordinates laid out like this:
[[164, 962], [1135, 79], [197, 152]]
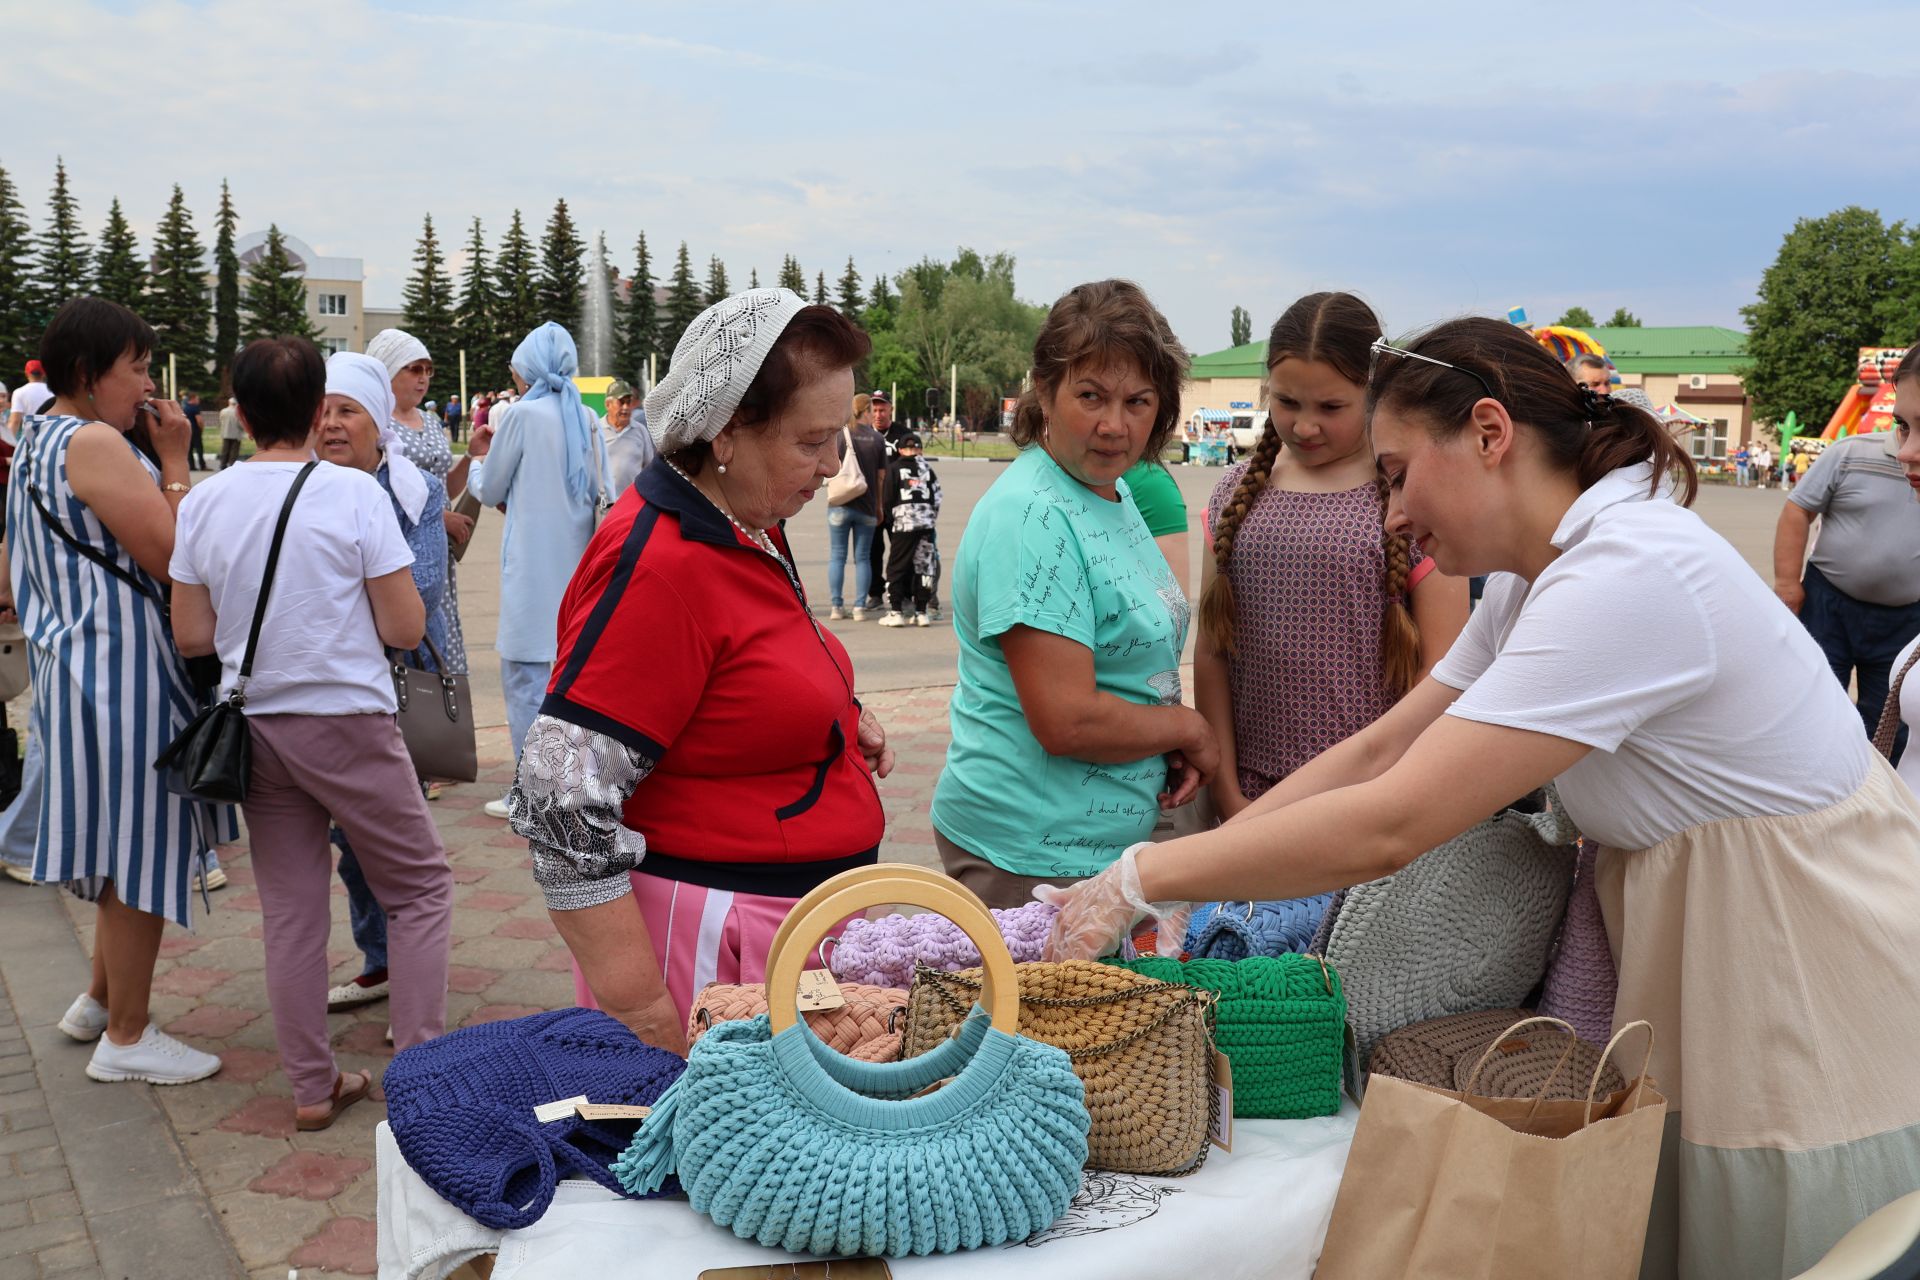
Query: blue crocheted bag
[[461, 1108], [1237, 930], [785, 1142]]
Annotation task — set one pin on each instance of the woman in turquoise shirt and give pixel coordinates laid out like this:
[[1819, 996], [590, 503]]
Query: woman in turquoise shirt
[[1069, 735]]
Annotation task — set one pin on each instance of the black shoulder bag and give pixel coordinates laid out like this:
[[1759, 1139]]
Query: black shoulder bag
[[212, 758]]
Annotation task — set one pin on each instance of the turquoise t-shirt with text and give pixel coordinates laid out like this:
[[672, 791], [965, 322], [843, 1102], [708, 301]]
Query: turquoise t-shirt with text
[[1044, 551]]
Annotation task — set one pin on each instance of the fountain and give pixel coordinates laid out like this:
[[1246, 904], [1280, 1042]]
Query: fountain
[[596, 328]]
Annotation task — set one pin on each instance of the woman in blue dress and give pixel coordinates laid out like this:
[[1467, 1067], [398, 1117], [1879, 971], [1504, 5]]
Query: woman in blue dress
[[90, 526]]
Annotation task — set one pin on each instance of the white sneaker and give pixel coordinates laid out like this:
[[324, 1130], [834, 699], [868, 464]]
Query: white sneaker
[[922, 620], [85, 1018], [215, 879], [23, 874], [836, 614], [156, 1058], [497, 808], [895, 619], [859, 614], [351, 994]]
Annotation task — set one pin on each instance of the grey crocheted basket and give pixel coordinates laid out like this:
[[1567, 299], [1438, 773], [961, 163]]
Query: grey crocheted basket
[[1466, 926]]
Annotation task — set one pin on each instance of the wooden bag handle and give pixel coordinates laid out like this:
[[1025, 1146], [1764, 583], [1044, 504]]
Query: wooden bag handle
[[1000, 990], [846, 880]]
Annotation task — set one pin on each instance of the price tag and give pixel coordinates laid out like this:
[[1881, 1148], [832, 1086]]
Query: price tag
[[559, 1110], [610, 1111], [818, 991], [1222, 1132]]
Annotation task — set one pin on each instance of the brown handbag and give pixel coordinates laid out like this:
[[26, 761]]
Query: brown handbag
[[469, 506], [866, 1027], [1542, 1062], [436, 719], [1143, 1050]]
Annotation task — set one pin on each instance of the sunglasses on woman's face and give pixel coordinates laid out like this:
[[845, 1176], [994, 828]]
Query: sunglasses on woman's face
[[1382, 347]]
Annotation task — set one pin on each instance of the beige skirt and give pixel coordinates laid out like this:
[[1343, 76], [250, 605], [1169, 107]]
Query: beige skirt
[[1778, 960]]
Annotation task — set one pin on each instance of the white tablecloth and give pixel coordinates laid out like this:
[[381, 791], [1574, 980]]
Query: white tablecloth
[[1258, 1212]]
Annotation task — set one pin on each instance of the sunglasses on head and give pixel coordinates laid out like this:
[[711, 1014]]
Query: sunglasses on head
[[1382, 347]]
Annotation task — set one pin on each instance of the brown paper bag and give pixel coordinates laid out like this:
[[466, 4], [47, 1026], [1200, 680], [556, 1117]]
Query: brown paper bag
[[1448, 1184]]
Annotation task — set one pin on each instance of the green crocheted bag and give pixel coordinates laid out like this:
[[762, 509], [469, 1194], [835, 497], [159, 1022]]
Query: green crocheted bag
[[1281, 1021]]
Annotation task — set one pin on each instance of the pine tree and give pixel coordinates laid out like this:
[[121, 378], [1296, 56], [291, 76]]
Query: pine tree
[[118, 274], [226, 292], [276, 294], [683, 306], [427, 299], [717, 281], [561, 293], [753, 278], [850, 292], [638, 332], [820, 289], [474, 327], [516, 303], [64, 255], [19, 340], [792, 277], [882, 293], [177, 293]]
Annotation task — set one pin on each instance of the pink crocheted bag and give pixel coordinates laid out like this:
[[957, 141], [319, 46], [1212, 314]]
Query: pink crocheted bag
[[868, 1027]]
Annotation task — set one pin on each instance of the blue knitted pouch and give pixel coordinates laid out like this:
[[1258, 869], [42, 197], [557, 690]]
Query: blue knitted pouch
[[461, 1107], [1237, 930], [787, 1143]]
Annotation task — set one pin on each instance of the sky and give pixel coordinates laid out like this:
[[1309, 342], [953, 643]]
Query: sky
[[1438, 159]]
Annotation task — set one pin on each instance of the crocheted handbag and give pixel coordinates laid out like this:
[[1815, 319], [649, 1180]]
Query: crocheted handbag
[[1463, 927], [866, 1027], [1581, 982], [785, 1142], [461, 1107], [1281, 1021], [1142, 1048], [1545, 1062], [1236, 930], [884, 952]]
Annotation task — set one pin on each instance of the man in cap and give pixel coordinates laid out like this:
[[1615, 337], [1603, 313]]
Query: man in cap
[[629, 447], [29, 397]]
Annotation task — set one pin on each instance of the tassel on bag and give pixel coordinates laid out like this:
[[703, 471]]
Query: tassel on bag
[[644, 1167]]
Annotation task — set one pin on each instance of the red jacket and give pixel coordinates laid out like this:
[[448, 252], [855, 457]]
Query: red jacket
[[686, 642]]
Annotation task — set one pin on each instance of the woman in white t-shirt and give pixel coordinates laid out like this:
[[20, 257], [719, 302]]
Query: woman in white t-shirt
[[1758, 874], [320, 707], [1903, 700]]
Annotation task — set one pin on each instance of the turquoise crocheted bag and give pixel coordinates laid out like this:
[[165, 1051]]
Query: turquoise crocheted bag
[[1281, 1021], [784, 1141]]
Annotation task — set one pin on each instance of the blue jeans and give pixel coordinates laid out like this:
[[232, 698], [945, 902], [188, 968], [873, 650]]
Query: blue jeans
[[1860, 641], [524, 685], [842, 524], [20, 824]]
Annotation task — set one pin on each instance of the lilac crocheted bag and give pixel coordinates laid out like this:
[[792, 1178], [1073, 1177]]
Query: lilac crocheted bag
[[883, 952], [1581, 982]]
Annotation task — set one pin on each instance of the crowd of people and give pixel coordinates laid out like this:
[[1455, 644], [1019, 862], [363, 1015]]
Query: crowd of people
[[693, 755]]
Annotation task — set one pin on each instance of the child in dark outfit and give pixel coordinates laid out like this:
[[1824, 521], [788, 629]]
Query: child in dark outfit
[[909, 506]]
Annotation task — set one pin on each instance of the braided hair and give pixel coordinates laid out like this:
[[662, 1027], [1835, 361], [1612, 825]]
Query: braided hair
[[1339, 330]]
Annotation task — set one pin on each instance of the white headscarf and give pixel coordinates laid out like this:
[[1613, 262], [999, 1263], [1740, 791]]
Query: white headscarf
[[366, 382], [713, 364], [396, 349]]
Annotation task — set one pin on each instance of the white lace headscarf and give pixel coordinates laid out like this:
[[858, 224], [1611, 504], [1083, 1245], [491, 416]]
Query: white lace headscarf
[[365, 381], [714, 363]]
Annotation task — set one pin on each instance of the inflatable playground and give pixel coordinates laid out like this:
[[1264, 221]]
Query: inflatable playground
[[1869, 406]]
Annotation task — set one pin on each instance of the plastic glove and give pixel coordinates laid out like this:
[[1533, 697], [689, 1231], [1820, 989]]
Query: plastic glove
[[1096, 914]]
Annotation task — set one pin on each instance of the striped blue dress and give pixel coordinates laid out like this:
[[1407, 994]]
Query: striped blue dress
[[109, 691]]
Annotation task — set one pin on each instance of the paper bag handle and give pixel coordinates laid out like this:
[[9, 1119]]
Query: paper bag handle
[[1473, 1077], [1640, 1082]]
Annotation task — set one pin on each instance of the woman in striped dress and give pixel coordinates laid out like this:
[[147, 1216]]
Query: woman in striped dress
[[90, 524]]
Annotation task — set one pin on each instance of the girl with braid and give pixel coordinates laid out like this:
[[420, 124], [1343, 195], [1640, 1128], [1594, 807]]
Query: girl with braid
[[1313, 619]]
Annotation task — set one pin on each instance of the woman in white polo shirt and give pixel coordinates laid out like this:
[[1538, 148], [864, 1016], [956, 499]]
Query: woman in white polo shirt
[[1758, 879]]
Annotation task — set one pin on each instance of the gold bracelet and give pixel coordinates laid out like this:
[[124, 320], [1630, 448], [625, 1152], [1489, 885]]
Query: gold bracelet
[[175, 487]]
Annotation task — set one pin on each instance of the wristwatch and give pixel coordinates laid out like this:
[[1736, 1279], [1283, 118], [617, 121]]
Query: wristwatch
[[175, 487]]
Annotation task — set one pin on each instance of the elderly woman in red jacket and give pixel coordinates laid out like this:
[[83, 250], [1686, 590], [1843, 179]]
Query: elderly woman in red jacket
[[700, 761]]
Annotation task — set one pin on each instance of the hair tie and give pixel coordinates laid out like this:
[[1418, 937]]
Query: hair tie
[[1595, 405]]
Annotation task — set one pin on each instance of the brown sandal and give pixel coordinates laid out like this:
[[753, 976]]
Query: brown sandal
[[343, 1098]]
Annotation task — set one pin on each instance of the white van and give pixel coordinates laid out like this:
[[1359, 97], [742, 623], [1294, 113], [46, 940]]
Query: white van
[[1246, 429]]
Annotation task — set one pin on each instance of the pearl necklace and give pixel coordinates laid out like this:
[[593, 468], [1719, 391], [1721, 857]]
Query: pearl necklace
[[759, 539]]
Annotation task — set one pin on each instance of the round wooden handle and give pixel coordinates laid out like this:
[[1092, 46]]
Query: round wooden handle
[[845, 880], [1000, 989]]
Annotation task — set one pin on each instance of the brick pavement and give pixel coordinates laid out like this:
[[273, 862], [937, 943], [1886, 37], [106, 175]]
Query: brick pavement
[[231, 1188]]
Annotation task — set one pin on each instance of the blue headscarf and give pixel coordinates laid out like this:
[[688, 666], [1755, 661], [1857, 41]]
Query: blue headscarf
[[547, 360]]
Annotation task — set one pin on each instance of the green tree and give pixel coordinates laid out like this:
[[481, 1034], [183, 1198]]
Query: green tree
[[560, 289], [64, 255], [19, 340], [882, 295], [849, 302], [516, 302], [1623, 319], [820, 289], [1898, 311], [753, 278], [176, 304], [1816, 309], [427, 299], [1576, 318], [963, 313], [792, 277], [716, 281], [475, 327], [1240, 327], [226, 292], [683, 306], [638, 332], [118, 274], [276, 294]]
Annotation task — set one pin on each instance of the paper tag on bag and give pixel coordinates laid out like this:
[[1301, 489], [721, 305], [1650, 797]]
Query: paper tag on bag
[[819, 991], [1221, 1134], [610, 1111], [558, 1110]]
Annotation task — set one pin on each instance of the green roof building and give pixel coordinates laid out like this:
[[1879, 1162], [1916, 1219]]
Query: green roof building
[[1675, 349]]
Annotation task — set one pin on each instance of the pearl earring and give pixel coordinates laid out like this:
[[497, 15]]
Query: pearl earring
[[723, 468]]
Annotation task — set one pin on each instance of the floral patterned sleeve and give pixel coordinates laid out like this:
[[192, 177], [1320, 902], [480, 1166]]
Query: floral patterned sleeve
[[566, 800]]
